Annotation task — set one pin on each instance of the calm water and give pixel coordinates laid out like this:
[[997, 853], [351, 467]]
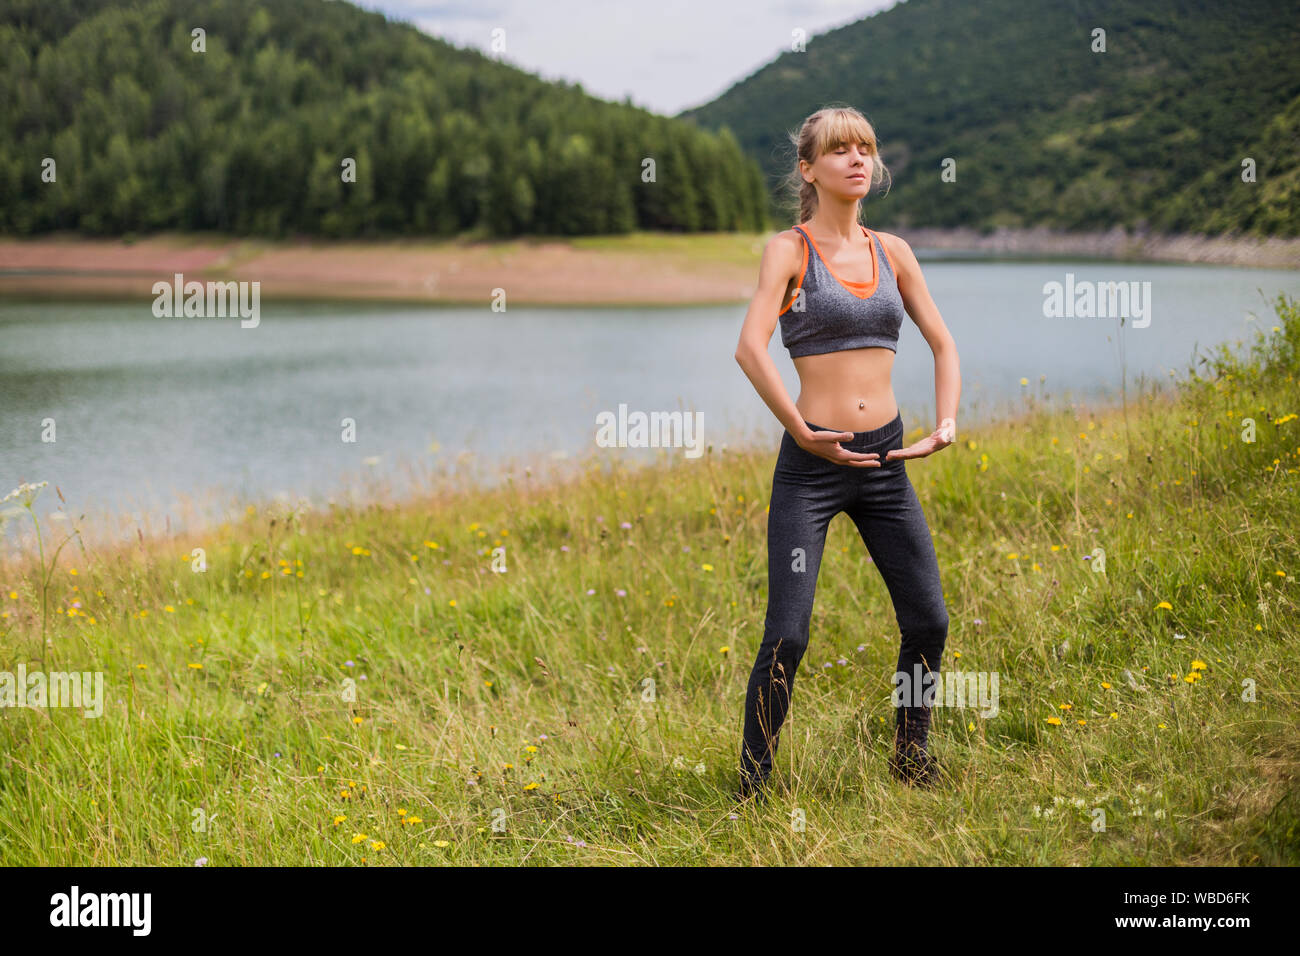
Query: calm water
[[151, 412]]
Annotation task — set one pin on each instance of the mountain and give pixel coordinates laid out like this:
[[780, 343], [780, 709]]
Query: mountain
[[252, 134], [1150, 134]]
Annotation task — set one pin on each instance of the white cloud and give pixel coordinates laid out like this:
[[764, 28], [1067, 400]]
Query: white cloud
[[667, 55]]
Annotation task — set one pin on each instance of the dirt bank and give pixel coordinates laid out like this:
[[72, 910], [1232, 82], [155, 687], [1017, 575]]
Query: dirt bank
[[1116, 244], [644, 268]]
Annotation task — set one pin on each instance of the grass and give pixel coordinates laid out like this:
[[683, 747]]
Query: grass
[[361, 687]]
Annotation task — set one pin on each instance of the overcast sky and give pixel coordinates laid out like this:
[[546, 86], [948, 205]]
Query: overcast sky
[[666, 55]]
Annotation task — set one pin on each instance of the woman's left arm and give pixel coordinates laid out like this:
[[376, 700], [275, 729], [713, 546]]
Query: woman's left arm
[[920, 306]]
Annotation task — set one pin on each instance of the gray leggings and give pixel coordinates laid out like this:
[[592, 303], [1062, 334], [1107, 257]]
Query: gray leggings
[[807, 491]]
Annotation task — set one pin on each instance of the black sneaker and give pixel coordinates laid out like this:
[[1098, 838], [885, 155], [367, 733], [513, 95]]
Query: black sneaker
[[911, 761], [918, 769], [749, 791]]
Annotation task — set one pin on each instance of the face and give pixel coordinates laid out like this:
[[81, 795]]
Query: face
[[844, 171]]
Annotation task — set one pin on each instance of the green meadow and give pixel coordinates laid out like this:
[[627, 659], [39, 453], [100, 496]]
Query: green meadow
[[554, 673]]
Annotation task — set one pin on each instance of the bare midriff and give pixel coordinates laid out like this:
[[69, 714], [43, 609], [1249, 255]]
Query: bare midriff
[[850, 390]]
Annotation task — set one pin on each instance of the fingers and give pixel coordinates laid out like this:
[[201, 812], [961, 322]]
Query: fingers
[[842, 456], [911, 451], [869, 460], [856, 459], [831, 440], [859, 455]]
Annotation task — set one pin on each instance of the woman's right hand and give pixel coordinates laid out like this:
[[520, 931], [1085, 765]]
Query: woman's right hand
[[826, 444]]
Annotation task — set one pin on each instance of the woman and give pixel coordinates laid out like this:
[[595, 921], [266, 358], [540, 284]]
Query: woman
[[839, 292]]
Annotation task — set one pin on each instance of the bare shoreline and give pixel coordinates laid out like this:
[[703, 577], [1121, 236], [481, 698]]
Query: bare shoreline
[[639, 269], [1274, 253]]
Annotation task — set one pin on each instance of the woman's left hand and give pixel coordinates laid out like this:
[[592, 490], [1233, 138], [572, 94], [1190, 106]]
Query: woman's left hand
[[941, 437]]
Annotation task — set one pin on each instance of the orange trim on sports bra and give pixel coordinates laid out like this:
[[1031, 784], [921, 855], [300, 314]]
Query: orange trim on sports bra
[[867, 288], [803, 271], [893, 268]]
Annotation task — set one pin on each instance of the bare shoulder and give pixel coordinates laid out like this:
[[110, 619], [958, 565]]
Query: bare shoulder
[[785, 250], [786, 239], [895, 245], [900, 253]]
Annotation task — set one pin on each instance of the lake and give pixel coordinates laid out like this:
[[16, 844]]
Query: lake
[[156, 418]]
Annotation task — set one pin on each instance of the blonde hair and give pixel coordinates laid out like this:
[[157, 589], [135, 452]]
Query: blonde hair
[[823, 131]]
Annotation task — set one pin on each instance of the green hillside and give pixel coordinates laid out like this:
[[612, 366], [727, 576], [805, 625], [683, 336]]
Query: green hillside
[[250, 135], [1151, 133]]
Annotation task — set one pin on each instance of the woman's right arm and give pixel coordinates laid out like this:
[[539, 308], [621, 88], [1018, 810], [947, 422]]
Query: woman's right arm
[[782, 259]]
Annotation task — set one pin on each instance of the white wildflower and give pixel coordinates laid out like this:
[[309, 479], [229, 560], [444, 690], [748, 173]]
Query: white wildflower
[[26, 492]]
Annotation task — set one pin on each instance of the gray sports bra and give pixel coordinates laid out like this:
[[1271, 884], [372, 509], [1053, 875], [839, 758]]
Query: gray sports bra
[[828, 314]]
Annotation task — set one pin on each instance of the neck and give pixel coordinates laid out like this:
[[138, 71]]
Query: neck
[[838, 218]]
